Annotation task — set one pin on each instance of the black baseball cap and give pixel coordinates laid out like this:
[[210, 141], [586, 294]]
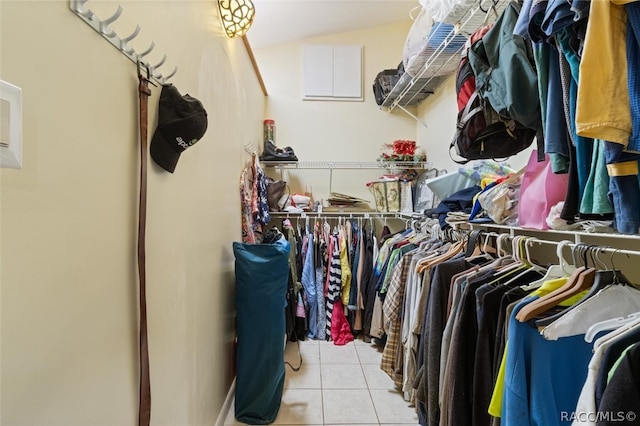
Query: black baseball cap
[[182, 121]]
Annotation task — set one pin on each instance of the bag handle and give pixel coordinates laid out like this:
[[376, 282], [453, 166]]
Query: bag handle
[[453, 143]]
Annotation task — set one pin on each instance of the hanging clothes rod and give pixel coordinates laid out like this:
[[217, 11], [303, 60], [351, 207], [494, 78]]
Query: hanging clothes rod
[[103, 27], [350, 215], [602, 249]]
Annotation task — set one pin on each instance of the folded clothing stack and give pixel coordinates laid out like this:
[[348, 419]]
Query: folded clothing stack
[[295, 203]]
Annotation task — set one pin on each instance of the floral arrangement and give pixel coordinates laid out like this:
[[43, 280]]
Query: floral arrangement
[[402, 150]]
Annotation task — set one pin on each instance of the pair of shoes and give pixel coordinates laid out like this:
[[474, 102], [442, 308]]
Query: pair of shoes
[[272, 153]]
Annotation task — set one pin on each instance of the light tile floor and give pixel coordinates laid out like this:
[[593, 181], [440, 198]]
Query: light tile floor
[[339, 385]]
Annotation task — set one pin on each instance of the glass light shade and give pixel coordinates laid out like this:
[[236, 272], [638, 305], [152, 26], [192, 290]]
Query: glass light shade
[[236, 16]]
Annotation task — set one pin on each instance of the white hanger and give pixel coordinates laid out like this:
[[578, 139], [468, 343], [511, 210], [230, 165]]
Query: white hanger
[[612, 324], [515, 255], [526, 263], [499, 251], [563, 269]]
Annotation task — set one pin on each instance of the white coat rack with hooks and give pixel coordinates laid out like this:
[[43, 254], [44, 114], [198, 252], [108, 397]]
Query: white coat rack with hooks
[[103, 27]]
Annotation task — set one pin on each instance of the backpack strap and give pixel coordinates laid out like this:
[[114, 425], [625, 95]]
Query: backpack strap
[[467, 112], [465, 115]]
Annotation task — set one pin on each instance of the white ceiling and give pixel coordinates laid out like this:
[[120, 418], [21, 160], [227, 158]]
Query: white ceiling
[[287, 21]]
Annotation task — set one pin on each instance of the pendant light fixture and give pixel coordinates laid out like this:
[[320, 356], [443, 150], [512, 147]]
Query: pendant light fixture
[[236, 16]]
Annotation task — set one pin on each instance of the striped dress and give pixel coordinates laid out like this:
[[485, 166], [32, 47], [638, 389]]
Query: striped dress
[[335, 281]]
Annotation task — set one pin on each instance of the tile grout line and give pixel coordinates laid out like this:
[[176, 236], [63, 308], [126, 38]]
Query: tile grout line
[[368, 388], [321, 383]]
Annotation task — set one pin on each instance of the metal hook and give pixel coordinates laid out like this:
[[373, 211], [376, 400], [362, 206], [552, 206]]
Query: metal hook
[[585, 254], [499, 242], [592, 250], [104, 24], [613, 265], [527, 244], [486, 242], [159, 64], [514, 247], [123, 41], [573, 254], [78, 8], [522, 249], [599, 250], [561, 261], [165, 78], [582, 253], [146, 52]]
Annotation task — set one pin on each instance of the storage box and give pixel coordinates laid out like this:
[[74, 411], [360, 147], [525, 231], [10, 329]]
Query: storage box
[[386, 195]]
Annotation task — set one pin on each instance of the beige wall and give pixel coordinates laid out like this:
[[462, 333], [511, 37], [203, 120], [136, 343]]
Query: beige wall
[[334, 130], [355, 131], [68, 218]]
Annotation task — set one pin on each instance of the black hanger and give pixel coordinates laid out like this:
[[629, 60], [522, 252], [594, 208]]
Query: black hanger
[[472, 241]]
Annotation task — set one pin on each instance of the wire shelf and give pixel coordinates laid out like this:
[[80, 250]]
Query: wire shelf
[[440, 62], [352, 165]]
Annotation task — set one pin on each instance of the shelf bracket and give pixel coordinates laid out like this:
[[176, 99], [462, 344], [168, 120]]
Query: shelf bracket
[[413, 116]]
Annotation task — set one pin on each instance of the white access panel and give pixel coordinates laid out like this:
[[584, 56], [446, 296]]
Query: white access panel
[[347, 71], [317, 70], [332, 72]]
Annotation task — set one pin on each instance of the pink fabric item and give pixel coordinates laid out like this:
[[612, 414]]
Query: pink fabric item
[[540, 190], [340, 329]]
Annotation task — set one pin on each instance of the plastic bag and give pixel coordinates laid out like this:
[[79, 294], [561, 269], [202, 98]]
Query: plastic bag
[[501, 202], [449, 11], [485, 169], [411, 56]]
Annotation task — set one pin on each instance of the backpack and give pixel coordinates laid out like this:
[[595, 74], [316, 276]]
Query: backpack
[[482, 133], [384, 82]]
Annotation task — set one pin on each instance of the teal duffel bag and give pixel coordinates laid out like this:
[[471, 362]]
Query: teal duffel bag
[[262, 273]]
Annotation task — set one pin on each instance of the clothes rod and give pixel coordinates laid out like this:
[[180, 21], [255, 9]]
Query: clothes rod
[[602, 249], [366, 215], [103, 27]]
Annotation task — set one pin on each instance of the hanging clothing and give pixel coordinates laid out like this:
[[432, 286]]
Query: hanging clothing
[[309, 285], [623, 391], [335, 282], [253, 201], [321, 266], [393, 319]]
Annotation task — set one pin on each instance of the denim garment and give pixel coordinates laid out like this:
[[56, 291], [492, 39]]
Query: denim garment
[[568, 44], [583, 146], [557, 17], [541, 57], [581, 8], [556, 128], [309, 285], [633, 64], [321, 308], [536, 16], [522, 24], [624, 191], [353, 294]]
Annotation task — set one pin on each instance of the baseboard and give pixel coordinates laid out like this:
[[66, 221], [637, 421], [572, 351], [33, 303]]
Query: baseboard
[[226, 406]]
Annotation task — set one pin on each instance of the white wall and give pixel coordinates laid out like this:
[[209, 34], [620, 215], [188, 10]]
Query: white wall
[[334, 130], [68, 218]]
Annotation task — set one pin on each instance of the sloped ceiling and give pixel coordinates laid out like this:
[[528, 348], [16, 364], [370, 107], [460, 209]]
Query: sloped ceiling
[[288, 21]]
